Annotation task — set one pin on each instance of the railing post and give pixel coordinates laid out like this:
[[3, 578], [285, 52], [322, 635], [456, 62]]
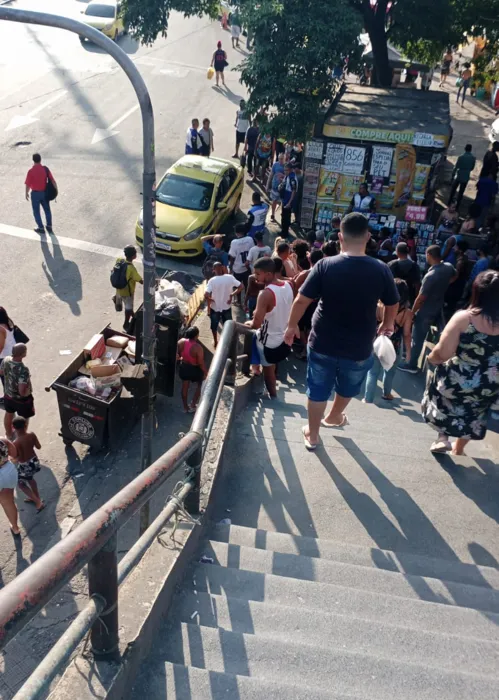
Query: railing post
[[103, 581], [191, 503], [247, 345], [232, 370]]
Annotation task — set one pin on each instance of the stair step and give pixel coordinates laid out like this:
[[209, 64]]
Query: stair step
[[335, 631], [363, 604], [402, 562], [317, 667], [353, 576], [160, 680]]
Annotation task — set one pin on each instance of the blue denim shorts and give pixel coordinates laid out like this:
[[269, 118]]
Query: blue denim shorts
[[326, 374]]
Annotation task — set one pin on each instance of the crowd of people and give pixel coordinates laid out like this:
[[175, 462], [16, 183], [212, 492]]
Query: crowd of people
[[291, 298]]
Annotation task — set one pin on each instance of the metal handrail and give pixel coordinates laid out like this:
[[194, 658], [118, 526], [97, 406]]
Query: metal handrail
[[94, 540]]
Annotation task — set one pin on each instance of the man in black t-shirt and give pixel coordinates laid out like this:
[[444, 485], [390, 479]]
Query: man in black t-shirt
[[250, 140], [348, 287], [406, 269]]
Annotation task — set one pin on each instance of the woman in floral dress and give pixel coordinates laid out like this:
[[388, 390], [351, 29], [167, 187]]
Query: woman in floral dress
[[463, 391]]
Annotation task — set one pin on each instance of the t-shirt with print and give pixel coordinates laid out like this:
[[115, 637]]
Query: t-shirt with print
[[242, 121], [15, 373], [132, 277], [265, 146], [344, 323], [221, 287], [277, 176], [433, 287], [239, 249], [258, 252]]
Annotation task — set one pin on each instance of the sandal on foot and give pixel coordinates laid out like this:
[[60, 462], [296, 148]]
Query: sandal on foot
[[309, 445], [344, 421], [41, 507], [441, 446]]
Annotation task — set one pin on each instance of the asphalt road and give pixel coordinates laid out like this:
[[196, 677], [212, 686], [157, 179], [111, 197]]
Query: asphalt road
[[54, 94]]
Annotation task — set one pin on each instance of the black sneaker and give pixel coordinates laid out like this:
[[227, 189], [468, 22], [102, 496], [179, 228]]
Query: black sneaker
[[50, 229], [39, 230]]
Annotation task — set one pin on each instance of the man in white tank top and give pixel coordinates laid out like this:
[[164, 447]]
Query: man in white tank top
[[270, 319]]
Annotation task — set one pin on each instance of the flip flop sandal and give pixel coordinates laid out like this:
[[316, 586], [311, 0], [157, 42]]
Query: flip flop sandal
[[440, 447], [309, 445], [344, 422]]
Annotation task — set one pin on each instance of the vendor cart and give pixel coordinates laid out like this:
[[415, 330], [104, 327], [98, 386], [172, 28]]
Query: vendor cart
[[169, 326], [92, 420]]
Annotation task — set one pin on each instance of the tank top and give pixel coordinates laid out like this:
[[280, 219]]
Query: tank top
[[271, 334], [219, 56], [186, 352], [10, 341]]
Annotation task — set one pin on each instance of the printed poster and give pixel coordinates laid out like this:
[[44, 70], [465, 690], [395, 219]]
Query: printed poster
[[314, 149], [353, 163], [405, 164], [381, 161], [377, 185], [421, 175], [335, 155]]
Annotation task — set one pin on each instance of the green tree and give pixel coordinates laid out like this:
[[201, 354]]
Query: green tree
[[297, 44], [420, 28], [147, 19]]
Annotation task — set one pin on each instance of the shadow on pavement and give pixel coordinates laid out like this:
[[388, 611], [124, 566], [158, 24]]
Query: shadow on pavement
[[125, 42], [63, 275]]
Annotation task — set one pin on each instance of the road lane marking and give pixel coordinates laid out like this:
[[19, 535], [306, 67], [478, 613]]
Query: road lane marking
[[102, 134], [24, 120], [62, 241], [96, 248]]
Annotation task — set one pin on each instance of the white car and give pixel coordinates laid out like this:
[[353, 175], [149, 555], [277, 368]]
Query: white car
[[494, 131]]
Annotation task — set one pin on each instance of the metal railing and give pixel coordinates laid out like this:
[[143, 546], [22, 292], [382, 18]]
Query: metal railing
[[94, 541]]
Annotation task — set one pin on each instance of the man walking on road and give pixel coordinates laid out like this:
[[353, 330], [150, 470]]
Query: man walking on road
[[242, 125], [348, 287], [406, 269], [36, 181], [18, 391], [427, 308], [461, 174]]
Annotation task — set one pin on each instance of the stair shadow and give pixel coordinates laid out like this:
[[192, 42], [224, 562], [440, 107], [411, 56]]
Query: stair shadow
[[416, 529]]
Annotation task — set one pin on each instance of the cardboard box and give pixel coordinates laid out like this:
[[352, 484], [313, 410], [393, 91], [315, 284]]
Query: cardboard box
[[110, 355], [95, 347], [104, 370], [117, 341]]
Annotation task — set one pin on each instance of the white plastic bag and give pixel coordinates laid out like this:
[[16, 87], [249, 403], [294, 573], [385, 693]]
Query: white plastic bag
[[385, 352]]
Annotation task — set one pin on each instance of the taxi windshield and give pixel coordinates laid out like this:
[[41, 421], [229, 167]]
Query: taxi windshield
[[185, 193], [106, 11]]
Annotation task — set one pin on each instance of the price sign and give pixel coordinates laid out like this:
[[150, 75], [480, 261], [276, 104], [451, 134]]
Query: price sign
[[314, 149], [413, 213], [381, 162], [353, 163], [335, 155], [422, 139]]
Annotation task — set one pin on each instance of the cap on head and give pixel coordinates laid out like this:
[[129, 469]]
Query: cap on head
[[219, 44]]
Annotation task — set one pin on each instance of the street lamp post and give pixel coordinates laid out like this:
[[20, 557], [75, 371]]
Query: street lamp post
[[148, 183]]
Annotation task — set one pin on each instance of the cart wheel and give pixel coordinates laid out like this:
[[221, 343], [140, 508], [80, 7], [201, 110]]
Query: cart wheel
[[67, 442]]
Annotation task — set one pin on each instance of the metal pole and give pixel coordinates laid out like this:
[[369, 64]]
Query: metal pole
[[148, 199], [103, 582]]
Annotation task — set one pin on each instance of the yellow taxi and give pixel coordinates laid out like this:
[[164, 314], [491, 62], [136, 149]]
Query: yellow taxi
[[104, 15], [193, 199]]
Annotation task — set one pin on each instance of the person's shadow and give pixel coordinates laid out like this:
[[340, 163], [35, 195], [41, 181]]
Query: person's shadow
[[63, 275]]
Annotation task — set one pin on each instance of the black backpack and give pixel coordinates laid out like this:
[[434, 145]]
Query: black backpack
[[118, 275], [50, 189]]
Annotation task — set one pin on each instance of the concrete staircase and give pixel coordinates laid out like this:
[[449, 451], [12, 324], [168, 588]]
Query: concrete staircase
[[365, 571]]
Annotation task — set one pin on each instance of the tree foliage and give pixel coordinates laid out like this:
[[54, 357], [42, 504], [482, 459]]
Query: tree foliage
[[297, 44], [148, 19], [421, 28]]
